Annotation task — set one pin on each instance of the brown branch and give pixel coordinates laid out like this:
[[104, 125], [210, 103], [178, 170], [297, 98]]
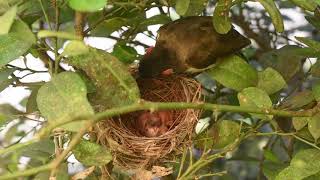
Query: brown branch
[[79, 24]]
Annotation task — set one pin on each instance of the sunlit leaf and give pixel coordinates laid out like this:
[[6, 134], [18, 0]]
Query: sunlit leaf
[[255, 98], [235, 78], [305, 163], [274, 13], [87, 5], [182, 6], [314, 126], [74, 48], [7, 19], [224, 132], [221, 19], [64, 98], [270, 81], [91, 154], [115, 86], [16, 42]]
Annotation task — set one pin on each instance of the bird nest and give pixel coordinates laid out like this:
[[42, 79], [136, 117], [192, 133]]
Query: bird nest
[[133, 145]]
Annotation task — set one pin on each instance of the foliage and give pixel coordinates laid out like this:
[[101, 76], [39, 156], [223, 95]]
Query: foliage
[[266, 97]]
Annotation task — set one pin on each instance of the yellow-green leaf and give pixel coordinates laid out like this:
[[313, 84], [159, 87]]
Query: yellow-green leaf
[[273, 11]]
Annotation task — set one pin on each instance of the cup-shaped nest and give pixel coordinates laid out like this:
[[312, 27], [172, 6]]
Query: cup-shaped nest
[[142, 139]]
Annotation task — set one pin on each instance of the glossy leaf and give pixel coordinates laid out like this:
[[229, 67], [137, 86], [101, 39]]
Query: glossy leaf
[[225, 132], [7, 19], [314, 21], [74, 48], [221, 19], [91, 154], [182, 6], [300, 122], [235, 78], [270, 81], [305, 163], [124, 53], [314, 126], [16, 42], [274, 13], [87, 5], [64, 98], [115, 86], [255, 98]]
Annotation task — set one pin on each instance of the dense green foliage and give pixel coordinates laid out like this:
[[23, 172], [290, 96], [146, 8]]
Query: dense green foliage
[[270, 128]]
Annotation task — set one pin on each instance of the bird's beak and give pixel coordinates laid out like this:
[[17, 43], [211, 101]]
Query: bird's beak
[[167, 72]]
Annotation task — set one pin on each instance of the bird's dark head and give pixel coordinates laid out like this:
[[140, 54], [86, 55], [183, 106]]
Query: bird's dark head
[[153, 63]]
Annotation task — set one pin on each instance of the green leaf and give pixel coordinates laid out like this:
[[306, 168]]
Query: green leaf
[[273, 11], [87, 5], [124, 53], [115, 87], [221, 19], [314, 21], [64, 98], [300, 122], [304, 164], [315, 69], [272, 169], [8, 113], [108, 26], [196, 7], [314, 126], [32, 101], [298, 100], [310, 42], [182, 6], [7, 19], [270, 81], [4, 78], [316, 91], [235, 78], [287, 60], [224, 133], [58, 34], [16, 42], [91, 154], [255, 98], [309, 5], [74, 48]]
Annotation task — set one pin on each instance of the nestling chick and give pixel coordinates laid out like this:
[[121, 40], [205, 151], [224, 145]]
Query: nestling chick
[[154, 124]]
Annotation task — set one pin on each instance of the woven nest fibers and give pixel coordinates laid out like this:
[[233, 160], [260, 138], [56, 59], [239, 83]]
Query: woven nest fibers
[[142, 139]]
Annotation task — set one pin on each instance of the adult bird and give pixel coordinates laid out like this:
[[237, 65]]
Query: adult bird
[[189, 45]]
